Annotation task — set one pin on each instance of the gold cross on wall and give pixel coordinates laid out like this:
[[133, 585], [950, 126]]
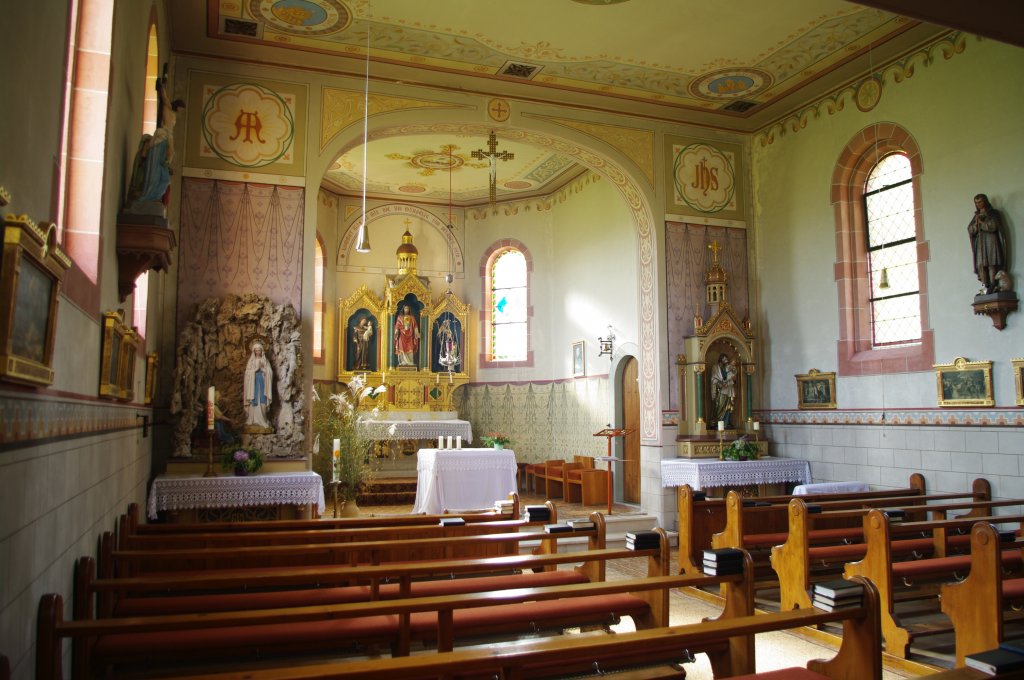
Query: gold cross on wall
[[714, 248], [493, 155]]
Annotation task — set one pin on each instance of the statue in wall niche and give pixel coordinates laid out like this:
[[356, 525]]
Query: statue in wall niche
[[257, 391], [407, 337], [723, 389], [988, 246], [151, 171], [362, 335]]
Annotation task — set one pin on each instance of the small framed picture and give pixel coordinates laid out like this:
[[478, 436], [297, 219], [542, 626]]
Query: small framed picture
[[816, 390], [579, 359], [1018, 379], [964, 383]]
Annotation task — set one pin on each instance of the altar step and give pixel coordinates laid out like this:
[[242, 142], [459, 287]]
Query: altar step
[[389, 491]]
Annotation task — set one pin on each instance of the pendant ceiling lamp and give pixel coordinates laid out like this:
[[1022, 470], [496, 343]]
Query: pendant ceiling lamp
[[363, 236]]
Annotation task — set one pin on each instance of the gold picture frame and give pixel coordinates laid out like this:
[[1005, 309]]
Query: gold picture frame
[[152, 363], [1018, 379], [964, 383], [30, 280], [579, 359], [117, 366], [816, 390]]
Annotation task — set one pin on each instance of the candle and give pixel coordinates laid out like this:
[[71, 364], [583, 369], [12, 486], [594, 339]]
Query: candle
[[757, 426], [440, 441], [458, 441], [210, 396], [437, 378], [449, 441], [335, 456], [336, 447], [721, 426], [449, 377]]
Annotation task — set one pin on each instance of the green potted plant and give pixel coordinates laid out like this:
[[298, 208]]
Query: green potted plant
[[241, 459], [740, 449], [496, 439], [337, 417]]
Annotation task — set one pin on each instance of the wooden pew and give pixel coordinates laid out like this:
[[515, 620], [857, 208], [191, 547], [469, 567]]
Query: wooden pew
[[645, 652], [805, 544], [976, 606], [221, 590], [700, 518], [129, 525], [880, 567], [393, 622]]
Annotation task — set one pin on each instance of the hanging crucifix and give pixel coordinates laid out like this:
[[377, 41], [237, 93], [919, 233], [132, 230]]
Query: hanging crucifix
[[493, 155]]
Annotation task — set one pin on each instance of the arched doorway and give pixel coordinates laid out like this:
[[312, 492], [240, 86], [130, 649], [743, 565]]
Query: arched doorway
[[629, 388]]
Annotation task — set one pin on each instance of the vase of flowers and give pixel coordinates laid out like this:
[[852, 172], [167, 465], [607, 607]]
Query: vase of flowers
[[341, 416], [496, 439], [740, 449], [241, 459]]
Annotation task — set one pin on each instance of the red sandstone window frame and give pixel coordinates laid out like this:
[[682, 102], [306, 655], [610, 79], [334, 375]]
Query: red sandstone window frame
[[856, 353]]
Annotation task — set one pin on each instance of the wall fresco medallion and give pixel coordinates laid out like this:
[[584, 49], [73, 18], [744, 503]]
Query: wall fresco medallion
[[302, 17], [247, 125], [704, 178]]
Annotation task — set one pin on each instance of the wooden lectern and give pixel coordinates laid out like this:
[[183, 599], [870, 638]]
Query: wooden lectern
[[610, 432]]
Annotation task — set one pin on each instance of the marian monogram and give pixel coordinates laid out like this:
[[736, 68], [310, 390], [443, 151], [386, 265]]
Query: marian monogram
[[247, 125]]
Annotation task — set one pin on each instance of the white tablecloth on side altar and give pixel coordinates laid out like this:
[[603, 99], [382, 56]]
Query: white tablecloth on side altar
[[463, 479], [703, 473], [188, 492]]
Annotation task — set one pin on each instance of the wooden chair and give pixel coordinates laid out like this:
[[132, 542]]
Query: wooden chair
[[536, 470], [586, 484]]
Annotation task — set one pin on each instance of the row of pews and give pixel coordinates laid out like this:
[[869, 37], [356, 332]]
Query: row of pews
[[402, 597], [945, 553]]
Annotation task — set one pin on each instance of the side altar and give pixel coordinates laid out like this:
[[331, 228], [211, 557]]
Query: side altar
[[717, 373]]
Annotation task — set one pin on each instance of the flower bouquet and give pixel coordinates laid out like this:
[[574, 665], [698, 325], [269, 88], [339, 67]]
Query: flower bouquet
[[241, 459], [740, 449], [496, 439]]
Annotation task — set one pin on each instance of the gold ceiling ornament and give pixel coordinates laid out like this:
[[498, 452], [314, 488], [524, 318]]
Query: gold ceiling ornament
[[493, 156]]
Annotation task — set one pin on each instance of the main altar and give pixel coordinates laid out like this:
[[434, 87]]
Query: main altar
[[412, 343]]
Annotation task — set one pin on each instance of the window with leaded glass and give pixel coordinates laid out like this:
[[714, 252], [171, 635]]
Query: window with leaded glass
[[508, 279], [895, 298]]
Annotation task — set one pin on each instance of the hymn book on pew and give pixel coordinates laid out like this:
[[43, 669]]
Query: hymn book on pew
[[836, 594], [581, 524], [999, 660], [452, 522], [557, 528], [642, 540], [537, 513], [722, 562]]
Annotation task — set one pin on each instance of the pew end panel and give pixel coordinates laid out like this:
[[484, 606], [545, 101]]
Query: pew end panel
[[975, 604]]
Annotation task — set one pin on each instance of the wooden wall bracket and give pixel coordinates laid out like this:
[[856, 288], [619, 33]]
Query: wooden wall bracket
[[996, 306]]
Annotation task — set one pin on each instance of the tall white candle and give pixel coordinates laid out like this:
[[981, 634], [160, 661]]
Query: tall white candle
[[721, 426], [210, 396], [757, 426], [440, 441], [335, 459], [449, 441], [458, 441]]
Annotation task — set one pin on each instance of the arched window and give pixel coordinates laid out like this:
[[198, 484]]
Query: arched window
[[318, 300], [507, 311], [881, 255], [140, 303], [892, 253], [140, 299]]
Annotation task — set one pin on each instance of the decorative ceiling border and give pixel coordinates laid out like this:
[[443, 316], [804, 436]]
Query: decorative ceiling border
[[866, 92], [539, 204], [1007, 417]]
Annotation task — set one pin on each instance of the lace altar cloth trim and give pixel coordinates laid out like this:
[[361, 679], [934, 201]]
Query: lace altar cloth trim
[[186, 492], [703, 474], [419, 429], [440, 461]]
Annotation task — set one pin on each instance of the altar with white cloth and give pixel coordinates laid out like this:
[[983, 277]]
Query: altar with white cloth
[[463, 479], [706, 473], [189, 494]]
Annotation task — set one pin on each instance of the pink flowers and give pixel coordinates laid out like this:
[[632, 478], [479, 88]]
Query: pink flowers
[[241, 456]]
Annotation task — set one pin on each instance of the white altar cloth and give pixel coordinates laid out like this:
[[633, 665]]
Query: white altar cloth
[[187, 492], [463, 479], [419, 429], [703, 473]]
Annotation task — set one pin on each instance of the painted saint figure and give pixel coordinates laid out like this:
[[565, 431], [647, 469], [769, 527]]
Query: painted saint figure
[[723, 389], [448, 346], [258, 390], [362, 334], [988, 246], [407, 337]]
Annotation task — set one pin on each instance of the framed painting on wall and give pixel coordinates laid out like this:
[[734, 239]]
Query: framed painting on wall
[[964, 383], [816, 390], [579, 363], [1018, 379]]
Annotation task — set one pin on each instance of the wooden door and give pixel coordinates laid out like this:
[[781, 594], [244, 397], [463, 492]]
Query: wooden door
[[631, 421]]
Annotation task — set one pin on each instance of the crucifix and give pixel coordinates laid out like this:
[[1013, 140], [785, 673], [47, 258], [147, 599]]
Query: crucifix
[[493, 155], [714, 248]]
